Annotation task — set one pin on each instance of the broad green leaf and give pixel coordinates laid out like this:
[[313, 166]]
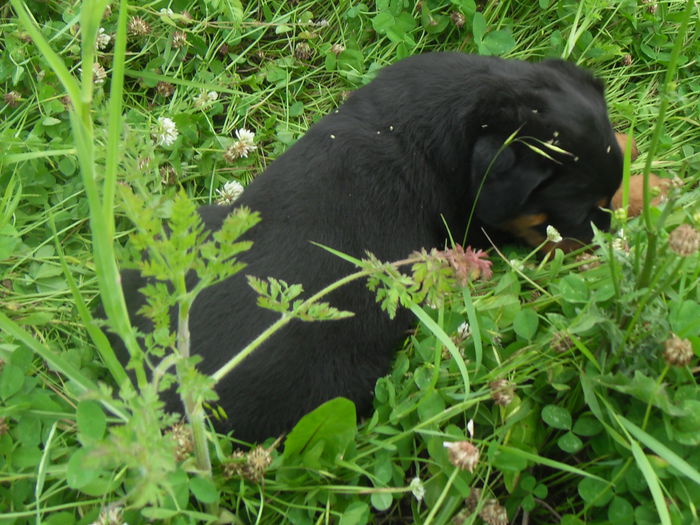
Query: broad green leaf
[[357, 513], [685, 318], [573, 289], [621, 511], [587, 426], [570, 443], [91, 420], [11, 380], [478, 27], [78, 474], [332, 425], [381, 500], [204, 489], [595, 492], [497, 43], [556, 417], [525, 323]]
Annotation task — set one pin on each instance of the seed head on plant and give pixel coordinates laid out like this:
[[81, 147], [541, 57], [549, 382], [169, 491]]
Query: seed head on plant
[[303, 51], [502, 392], [103, 39], [179, 39], [493, 513], [468, 264], [457, 19], [165, 89], [138, 27], [168, 176], [462, 454], [110, 515], [98, 74], [463, 331], [561, 342], [678, 352], [588, 261], [251, 465], [184, 443], [12, 98]]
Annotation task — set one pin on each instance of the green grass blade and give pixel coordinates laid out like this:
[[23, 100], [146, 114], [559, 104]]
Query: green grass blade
[[55, 360], [474, 327], [662, 450], [548, 462], [98, 337], [438, 332], [115, 119], [652, 482]]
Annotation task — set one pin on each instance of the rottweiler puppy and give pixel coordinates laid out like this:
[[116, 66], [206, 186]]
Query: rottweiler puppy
[[402, 160]]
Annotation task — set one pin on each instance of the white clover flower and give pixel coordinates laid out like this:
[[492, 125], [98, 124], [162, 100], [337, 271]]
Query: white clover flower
[[417, 488], [553, 234], [166, 133], [98, 74], [247, 137], [110, 515], [229, 193], [205, 98], [241, 147], [103, 39], [462, 454], [464, 330]]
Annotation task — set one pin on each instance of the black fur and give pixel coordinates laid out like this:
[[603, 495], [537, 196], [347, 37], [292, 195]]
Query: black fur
[[402, 157]]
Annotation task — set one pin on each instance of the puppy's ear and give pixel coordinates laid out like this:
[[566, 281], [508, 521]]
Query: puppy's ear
[[507, 177]]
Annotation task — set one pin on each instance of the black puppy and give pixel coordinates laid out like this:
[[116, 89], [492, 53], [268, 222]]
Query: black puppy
[[404, 156]]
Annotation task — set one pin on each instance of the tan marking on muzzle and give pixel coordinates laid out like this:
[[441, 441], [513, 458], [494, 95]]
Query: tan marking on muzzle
[[523, 228]]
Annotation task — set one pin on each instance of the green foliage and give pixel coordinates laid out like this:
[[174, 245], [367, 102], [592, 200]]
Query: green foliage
[[596, 426], [279, 296]]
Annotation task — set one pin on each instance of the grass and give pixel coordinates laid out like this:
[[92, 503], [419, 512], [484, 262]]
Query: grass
[[577, 415]]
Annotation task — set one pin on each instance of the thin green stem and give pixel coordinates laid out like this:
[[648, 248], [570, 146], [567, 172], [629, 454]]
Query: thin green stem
[[284, 319], [438, 504], [654, 143]]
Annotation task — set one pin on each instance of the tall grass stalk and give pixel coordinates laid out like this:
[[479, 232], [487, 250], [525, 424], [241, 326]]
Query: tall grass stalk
[[101, 208], [651, 228]]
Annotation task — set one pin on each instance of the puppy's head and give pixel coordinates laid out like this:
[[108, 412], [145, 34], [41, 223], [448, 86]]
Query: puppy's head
[[563, 164]]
